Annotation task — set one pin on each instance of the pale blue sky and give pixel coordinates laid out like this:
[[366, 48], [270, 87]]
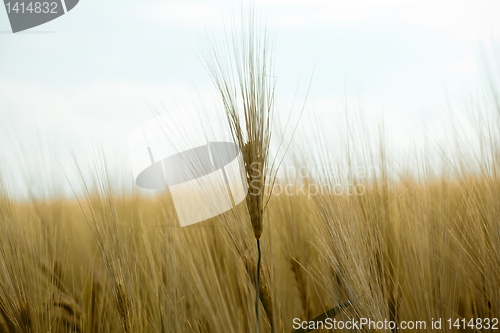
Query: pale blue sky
[[86, 75]]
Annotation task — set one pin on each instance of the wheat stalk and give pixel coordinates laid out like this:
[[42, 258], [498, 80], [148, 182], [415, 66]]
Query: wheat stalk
[[250, 121]]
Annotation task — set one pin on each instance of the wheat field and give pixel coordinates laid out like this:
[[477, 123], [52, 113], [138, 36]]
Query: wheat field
[[417, 244], [116, 263]]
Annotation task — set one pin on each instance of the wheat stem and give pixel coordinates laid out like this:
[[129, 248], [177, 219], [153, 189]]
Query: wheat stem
[[257, 297]]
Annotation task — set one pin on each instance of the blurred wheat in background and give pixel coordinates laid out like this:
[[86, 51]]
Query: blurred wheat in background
[[417, 243]]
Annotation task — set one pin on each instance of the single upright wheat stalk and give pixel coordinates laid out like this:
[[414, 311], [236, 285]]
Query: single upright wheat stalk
[[251, 89]]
